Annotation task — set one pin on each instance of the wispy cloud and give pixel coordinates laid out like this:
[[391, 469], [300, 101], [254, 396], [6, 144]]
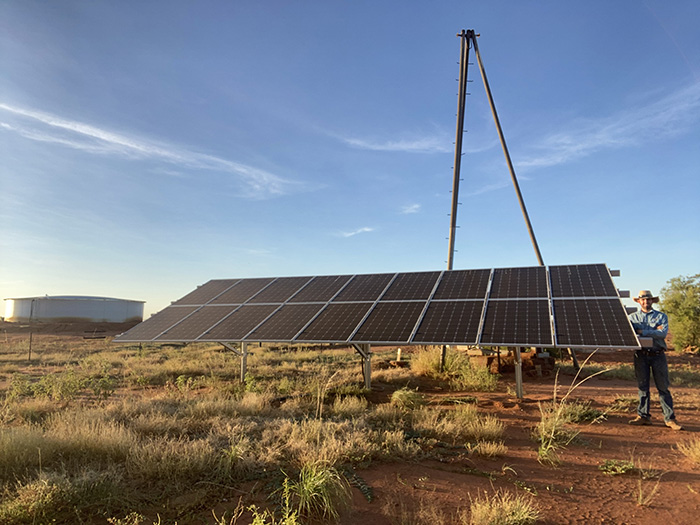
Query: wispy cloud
[[410, 208], [366, 229], [45, 127], [429, 144], [669, 116]]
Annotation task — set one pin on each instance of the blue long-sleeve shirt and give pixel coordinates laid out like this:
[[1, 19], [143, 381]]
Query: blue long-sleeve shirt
[[648, 322]]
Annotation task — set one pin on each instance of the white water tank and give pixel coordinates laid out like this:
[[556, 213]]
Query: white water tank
[[73, 308]]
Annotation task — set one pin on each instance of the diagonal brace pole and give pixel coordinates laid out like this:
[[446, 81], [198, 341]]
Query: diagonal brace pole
[[472, 37]]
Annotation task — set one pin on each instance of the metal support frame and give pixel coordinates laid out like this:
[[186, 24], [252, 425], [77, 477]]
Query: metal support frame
[[242, 353], [468, 39], [365, 351]]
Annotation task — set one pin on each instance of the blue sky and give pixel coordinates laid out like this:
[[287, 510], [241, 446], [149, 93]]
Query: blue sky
[[148, 147]]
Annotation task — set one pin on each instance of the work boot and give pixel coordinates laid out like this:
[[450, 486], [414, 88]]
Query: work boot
[[639, 420], [671, 423]]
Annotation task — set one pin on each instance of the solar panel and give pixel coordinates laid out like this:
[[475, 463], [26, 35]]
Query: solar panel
[[523, 322], [242, 291], [321, 289], [408, 286], [463, 284], [280, 290], [513, 283], [206, 292], [450, 322], [390, 322], [287, 322], [501, 307], [154, 326], [196, 324], [591, 280], [336, 322], [237, 325], [365, 287], [592, 322]]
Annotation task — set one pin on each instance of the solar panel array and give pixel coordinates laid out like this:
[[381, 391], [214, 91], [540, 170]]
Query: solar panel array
[[568, 306]]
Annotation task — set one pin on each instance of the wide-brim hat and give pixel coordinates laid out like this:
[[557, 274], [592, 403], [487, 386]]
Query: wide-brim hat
[[646, 294]]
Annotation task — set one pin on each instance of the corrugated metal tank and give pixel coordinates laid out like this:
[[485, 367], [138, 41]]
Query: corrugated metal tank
[[73, 308]]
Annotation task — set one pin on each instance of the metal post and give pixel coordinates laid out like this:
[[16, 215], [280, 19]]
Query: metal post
[[574, 359], [518, 373], [463, 64], [472, 36], [244, 361], [31, 328], [365, 351], [367, 366]]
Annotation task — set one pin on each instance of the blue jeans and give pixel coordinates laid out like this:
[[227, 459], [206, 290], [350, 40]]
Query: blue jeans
[[645, 365]]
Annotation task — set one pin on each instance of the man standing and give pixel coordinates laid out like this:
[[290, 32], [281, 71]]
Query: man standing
[[648, 322]]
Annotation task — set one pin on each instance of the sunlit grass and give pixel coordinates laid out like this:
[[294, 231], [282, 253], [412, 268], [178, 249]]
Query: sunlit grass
[[691, 450], [502, 508]]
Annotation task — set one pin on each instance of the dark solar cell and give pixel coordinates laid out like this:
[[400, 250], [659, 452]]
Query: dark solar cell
[[390, 323], [463, 284], [153, 326], [364, 287], [450, 322], [407, 286], [242, 291], [196, 324], [285, 323], [513, 283], [239, 323], [585, 280], [336, 323], [517, 323], [280, 290], [592, 322], [321, 289], [205, 293]]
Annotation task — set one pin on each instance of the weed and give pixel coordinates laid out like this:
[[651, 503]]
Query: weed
[[407, 399], [503, 508], [552, 432], [133, 518], [349, 406], [581, 412], [320, 492], [623, 404], [400, 512], [474, 379], [615, 467], [690, 449], [19, 387], [488, 449], [643, 496]]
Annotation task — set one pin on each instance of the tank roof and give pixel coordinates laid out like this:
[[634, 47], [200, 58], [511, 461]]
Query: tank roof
[[72, 298]]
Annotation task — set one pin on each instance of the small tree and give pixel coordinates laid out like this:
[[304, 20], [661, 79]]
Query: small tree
[[680, 300]]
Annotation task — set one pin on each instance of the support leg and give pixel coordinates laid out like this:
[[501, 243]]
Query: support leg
[[572, 354], [518, 373], [365, 351], [244, 361]]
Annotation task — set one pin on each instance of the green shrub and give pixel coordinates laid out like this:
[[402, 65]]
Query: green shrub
[[407, 399], [321, 492]]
